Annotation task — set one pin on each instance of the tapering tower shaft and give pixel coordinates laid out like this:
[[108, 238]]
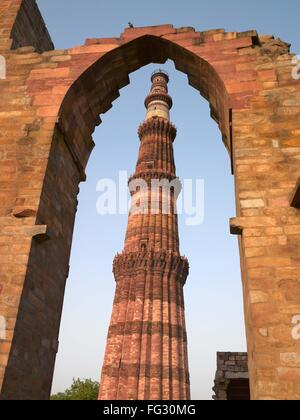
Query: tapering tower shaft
[[146, 352]]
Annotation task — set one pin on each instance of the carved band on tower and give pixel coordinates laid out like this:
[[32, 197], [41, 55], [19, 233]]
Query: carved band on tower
[[146, 353]]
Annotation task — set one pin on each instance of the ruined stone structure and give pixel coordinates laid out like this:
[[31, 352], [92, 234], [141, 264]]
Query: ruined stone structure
[[146, 354], [49, 107], [232, 377]]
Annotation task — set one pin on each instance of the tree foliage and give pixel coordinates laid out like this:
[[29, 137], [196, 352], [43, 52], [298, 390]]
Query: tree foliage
[[79, 390]]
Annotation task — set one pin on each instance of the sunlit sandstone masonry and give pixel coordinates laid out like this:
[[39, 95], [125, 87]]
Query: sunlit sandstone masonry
[[49, 106], [146, 353]]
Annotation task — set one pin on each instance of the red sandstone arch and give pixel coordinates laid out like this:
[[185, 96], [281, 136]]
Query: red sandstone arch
[[95, 89], [50, 105]]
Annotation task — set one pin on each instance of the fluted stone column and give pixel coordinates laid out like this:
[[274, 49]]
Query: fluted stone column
[[146, 353]]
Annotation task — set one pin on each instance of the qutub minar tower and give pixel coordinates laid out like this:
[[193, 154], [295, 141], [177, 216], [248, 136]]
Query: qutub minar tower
[[146, 354]]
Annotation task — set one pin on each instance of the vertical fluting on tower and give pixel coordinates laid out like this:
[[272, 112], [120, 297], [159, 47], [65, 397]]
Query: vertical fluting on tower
[[146, 351]]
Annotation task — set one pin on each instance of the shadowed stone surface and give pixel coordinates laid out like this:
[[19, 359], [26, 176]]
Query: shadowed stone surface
[[232, 378]]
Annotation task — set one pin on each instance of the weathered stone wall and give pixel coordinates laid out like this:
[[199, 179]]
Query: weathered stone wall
[[49, 107], [21, 25], [35, 342], [230, 367], [30, 29]]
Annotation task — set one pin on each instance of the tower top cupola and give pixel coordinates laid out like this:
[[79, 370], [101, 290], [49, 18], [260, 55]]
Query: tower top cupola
[[159, 102]]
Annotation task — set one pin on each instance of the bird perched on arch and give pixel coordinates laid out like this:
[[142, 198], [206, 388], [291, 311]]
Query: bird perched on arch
[[130, 25]]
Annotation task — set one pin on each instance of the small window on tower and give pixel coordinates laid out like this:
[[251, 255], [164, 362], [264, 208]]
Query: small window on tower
[[144, 243], [150, 164]]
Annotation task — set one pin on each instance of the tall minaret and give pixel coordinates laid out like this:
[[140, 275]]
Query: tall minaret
[[146, 353]]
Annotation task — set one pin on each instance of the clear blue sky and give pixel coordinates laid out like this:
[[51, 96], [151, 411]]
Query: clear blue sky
[[213, 292]]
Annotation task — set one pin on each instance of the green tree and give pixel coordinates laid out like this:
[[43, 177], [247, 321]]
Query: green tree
[[79, 390]]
